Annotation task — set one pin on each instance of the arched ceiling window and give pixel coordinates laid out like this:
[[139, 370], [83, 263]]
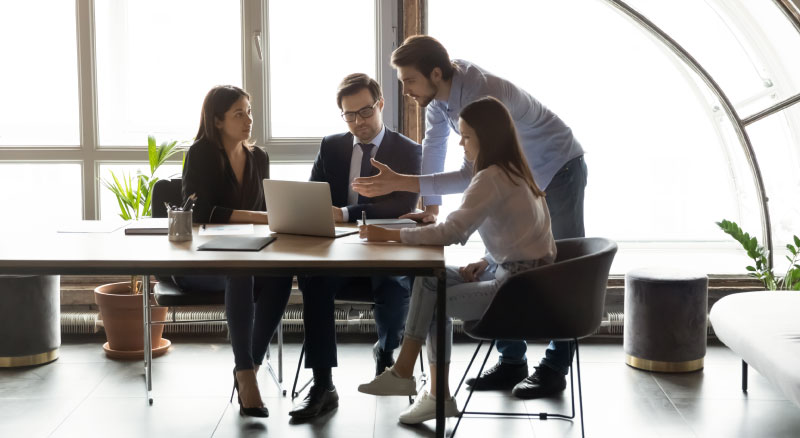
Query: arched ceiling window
[[665, 161]]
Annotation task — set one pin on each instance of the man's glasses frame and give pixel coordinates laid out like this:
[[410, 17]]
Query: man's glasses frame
[[365, 113]]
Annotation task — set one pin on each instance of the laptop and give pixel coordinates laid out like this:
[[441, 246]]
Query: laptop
[[298, 207]]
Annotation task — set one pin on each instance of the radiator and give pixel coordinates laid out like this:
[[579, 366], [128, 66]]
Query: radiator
[[350, 318]]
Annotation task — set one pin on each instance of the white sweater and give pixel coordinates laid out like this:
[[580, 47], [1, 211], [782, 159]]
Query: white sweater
[[513, 223]]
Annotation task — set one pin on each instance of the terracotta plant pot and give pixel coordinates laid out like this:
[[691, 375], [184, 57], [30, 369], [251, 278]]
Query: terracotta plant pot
[[122, 319]]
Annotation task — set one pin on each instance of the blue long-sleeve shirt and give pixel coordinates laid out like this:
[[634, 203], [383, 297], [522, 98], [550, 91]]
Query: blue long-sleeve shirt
[[546, 140]]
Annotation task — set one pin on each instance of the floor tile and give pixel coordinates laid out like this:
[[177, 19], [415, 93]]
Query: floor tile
[[83, 393]]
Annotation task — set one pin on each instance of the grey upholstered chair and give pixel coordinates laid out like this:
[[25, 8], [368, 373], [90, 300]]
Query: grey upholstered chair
[[560, 301]]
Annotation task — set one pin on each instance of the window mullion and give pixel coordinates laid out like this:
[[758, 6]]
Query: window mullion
[[87, 86], [254, 37]]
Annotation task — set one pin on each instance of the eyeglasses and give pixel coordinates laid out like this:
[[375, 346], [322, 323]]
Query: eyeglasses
[[365, 113]]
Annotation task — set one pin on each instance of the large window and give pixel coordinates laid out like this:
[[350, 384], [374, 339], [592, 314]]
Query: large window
[[664, 162], [85, 82]]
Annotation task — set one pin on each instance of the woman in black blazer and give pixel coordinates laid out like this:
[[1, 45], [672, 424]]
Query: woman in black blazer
[[224, 170]]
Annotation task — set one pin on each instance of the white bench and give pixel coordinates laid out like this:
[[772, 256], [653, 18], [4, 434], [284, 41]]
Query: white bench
[[763, 328]]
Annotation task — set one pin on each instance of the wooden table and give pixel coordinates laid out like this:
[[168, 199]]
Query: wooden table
[[116, 254]]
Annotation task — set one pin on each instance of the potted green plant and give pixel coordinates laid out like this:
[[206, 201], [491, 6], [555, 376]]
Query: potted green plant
[[761, 268], [120, 304]]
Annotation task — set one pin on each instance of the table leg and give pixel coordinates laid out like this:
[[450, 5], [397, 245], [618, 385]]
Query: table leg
[[148, 349], [441, 315]]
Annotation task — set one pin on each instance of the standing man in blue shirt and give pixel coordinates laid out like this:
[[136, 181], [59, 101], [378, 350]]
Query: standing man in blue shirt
[[444, 86]]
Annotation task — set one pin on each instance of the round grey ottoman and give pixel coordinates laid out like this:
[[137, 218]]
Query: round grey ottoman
[[30, 319], [666, 313]]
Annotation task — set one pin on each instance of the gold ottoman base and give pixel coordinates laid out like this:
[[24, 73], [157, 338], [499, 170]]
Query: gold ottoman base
[[30, 360], [664, 367]]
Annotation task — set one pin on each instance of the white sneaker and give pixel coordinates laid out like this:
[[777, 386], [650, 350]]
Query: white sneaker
[[389, 383], [424, 408]]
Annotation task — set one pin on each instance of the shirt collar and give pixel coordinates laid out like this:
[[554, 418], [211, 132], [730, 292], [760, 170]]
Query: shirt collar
[[454, 101], [376, 141]]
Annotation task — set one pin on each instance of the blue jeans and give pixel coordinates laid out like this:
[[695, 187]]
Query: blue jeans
[[253, 306], [565, 202]]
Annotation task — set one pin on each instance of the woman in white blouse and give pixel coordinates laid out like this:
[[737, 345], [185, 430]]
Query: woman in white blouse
[[505, 206]]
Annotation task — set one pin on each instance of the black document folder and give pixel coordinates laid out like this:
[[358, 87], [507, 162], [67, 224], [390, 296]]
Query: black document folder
[[236, 243]]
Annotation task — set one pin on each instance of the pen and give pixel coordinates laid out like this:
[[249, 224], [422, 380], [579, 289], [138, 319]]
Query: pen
[[363, 217], [189, 199]]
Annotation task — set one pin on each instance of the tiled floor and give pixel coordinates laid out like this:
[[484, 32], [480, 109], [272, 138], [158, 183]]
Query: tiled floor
[[83, 394]]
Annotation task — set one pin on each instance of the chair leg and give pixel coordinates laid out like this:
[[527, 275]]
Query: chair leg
[[580, 392], [472, 388], [423, 378], [469, 365], [295, 391], [744, 376], [297, 373], [277, 378]]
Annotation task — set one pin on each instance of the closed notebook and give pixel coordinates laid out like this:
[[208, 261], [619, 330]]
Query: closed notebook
[[236, 243], [148, 226]]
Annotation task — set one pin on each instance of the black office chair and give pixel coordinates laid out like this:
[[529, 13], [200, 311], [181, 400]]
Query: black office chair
[[167, 293], [561, 301], [357, 295]]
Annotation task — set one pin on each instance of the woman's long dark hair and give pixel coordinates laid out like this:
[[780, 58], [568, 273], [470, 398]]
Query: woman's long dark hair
[[498, 142], [217, 102]]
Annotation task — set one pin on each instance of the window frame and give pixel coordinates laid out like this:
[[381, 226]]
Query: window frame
[[254, 21]]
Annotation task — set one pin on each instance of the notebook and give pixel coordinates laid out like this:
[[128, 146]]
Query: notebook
[[236, 243], [148, 226]]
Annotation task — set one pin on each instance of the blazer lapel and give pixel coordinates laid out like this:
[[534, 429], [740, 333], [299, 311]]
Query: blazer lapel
[[384, 154], [341, 169]]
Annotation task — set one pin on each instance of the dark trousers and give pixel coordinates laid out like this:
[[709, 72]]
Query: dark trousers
[[390, 295], [254, 307], [565, 202]]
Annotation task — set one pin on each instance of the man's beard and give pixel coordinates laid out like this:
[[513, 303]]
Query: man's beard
[[428, 99]]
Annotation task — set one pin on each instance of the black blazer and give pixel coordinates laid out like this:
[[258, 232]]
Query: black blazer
[[208, 173], [397, 151]]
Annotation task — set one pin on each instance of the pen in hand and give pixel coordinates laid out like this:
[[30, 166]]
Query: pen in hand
[[363, 217]]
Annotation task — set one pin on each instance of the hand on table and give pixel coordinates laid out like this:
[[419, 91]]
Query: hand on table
[[378, 234]]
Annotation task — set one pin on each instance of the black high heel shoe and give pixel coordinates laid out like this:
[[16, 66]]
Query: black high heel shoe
[[261, 411]]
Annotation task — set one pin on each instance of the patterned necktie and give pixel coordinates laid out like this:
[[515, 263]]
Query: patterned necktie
[[366, 166]]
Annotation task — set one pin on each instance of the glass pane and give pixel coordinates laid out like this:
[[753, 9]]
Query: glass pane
[[663, 167], [779, 44], [309, 54], [157, 60], [39, 77], [775, 141], [109, 208], [290, 171], [714, 33], [28, 187]]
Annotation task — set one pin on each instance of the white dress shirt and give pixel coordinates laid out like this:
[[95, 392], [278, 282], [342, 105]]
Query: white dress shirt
[[513, 223], [355, 168]]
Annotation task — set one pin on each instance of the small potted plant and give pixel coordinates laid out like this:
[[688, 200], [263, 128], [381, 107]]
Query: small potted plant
[[761, 270], [120, 304]]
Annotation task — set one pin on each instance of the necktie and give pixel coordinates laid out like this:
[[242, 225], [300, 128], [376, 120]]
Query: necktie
[[366, 166]]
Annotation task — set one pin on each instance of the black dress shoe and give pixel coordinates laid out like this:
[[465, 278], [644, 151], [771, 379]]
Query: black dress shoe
[[544, 382], [318, 401], [383, 359], [502, 376]]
